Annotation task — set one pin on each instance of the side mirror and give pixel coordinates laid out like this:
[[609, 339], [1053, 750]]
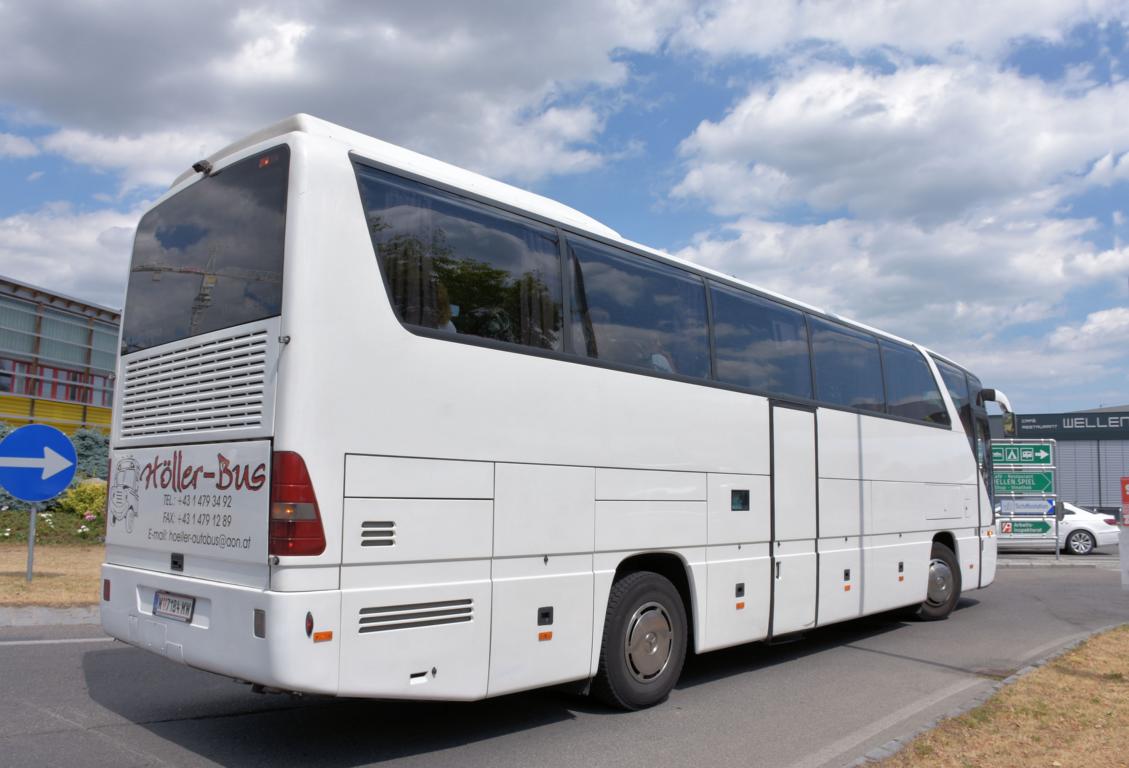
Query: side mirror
[[996, 396], [1060, 510]]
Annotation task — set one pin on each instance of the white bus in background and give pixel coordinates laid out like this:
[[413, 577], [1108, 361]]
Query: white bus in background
[[398, 430]]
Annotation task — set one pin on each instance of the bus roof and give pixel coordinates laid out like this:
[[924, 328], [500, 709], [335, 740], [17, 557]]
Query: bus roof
[[414, 162], [475, 183]]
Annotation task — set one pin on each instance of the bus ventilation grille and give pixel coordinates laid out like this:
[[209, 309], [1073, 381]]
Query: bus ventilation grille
[[415, 615], [216, 384], [378, 533]]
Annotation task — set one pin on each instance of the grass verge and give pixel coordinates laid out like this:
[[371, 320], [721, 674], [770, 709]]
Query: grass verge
[[1071, 712], [64, 575]]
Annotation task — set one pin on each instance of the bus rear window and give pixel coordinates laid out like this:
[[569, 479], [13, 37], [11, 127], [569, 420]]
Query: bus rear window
[[210, 257]]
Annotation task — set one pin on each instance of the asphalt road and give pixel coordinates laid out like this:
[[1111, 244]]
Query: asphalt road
[[69, 697]]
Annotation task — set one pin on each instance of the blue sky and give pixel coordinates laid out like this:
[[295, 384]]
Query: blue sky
[[955, 173]]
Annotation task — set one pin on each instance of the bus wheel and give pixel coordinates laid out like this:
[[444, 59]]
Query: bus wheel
[[644, 642], [944, 584]]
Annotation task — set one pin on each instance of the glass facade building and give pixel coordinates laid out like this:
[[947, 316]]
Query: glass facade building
[[56, 358]]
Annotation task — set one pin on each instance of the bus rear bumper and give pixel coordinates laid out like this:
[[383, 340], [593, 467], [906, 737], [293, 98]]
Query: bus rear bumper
[[223, 635]]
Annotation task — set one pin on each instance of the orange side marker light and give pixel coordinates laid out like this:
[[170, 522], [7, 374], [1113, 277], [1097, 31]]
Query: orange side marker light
[[741, 605], [543, 636], [323, 637]]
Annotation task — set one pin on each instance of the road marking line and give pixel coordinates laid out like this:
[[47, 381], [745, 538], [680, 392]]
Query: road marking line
[[847, 743], [63, 641]]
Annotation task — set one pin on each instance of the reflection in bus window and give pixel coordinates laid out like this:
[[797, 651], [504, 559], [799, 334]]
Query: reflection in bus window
[[760, 344], [457, 266], [634, 311], [911, 391], [847, 368]]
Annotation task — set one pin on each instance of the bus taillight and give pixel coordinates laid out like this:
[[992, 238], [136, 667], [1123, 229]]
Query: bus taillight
[[295, 521]]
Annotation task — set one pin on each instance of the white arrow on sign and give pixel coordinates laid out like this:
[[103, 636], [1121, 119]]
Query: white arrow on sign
[[51, 463], [1042, 454]]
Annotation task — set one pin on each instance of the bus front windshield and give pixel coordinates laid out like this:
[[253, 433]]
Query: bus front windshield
[[210, 257]]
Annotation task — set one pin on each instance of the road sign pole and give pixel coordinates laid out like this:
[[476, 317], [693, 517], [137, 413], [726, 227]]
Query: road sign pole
[[31, 541]]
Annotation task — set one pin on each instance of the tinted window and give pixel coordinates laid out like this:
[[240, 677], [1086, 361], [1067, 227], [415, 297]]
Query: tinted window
[[847, 368], [760, 344], [974, 387], [983, 434], [957, 386], [210, 256], [630, 310], [461, 267], [911, 390]]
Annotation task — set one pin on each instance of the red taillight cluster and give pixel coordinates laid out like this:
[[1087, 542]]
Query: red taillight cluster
[[295, 521], [1110, 521]]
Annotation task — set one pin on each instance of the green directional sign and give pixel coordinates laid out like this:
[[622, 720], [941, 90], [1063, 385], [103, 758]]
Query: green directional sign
[[1023, 454], [1025, 482], [1025, 527]]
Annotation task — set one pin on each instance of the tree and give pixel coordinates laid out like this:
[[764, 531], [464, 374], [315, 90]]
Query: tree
[[93, 449]]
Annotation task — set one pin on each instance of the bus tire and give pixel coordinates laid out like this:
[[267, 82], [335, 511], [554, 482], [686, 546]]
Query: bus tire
[[644, 644], [943, 586]]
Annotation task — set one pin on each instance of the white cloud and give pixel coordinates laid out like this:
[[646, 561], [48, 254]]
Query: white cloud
[[34, 176], [516, 90], [1078, 365], [559, 139], [1109, 170], [1106, 330], [270, 50], [961, 28], [12, 145], [929, 142], [149, 159], [83, 254]]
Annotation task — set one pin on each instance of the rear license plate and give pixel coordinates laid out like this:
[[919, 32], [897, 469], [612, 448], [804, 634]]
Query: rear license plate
[[179, 607]]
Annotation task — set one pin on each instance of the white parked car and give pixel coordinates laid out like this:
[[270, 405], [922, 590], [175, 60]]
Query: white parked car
[[1081, 530]]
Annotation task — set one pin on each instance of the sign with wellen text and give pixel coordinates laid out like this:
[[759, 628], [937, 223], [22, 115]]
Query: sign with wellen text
[[1107, 425], [211, 500]]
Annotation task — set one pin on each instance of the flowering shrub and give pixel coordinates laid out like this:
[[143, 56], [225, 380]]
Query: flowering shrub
[[78, 516], [85, 498]]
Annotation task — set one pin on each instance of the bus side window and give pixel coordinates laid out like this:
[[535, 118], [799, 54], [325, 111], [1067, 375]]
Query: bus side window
[[911, 391], [957, 385], [760, 344], [848, 370], [459, 266], [630, 310]]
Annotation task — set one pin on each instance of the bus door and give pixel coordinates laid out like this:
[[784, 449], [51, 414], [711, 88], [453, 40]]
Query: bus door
[[794, 488]]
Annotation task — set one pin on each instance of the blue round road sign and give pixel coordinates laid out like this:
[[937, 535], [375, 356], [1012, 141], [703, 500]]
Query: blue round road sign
[[36, 462]]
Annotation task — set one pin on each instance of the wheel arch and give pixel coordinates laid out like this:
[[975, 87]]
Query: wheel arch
[[673, 567], [949, 540]]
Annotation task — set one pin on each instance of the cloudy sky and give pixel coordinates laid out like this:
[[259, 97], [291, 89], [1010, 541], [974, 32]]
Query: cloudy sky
[[956, 173]]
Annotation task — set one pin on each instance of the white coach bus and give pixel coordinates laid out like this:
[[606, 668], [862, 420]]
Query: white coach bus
[[384, 427]]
